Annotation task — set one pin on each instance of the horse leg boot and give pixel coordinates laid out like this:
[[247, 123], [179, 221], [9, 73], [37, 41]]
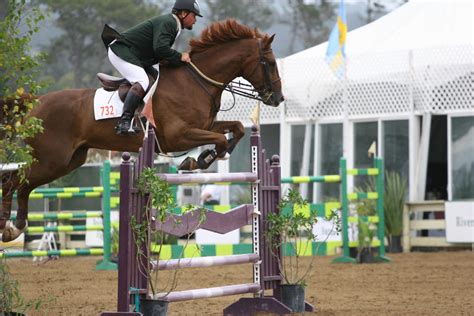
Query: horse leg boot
[[132, 101]]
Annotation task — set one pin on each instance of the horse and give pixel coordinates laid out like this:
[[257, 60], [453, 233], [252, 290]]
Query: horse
[[184, 111]]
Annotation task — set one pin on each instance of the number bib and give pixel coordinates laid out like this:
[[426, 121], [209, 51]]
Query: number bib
[[107, 104]]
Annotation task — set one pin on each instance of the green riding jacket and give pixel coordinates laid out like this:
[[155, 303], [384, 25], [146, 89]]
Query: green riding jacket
[[149, 42]]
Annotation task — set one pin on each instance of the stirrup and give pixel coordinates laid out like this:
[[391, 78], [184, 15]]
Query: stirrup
[[134, 128]]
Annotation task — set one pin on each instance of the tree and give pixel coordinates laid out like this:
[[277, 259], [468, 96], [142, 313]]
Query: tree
[[377, 8], [253, 13], [307, 22], [18, 72], [78, 53]]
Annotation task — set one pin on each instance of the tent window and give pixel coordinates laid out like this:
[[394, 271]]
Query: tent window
[[462, 147], [396, 147], [330, 153], [298, 155], [364, 135]]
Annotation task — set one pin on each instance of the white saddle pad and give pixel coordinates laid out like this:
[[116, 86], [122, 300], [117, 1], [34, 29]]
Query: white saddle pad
[[107, 104]]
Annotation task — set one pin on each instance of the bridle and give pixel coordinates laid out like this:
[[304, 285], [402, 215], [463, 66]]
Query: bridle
[[243, 89], [267, 92]]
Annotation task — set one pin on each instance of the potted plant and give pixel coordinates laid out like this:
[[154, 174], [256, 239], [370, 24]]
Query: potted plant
[[364, 208], [395, 189], [159, 204], [394, 200], [366, 233], [292, 231]]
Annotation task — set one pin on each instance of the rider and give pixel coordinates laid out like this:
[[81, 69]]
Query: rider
[[137, 50]]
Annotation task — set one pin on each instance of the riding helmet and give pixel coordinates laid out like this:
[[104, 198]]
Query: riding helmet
[[190, 5]]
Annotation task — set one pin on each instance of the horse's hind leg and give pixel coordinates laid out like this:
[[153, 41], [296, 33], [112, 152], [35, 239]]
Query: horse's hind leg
[[38, 178], [13, 231], [9, 185]]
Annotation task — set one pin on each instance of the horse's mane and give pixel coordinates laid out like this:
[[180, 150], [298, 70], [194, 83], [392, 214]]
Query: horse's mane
[[222, 32]]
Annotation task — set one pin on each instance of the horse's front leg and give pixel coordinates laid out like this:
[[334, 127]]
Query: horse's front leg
[[195, 137], [224, 127]]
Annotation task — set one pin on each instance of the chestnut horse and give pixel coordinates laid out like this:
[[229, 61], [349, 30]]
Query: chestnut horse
[[184, 109]]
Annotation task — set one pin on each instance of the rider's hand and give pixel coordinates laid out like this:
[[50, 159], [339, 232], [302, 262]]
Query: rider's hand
[[185, 58]]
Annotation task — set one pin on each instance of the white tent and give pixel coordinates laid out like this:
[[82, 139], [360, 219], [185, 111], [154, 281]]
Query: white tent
[[412, 36], [418, 24]]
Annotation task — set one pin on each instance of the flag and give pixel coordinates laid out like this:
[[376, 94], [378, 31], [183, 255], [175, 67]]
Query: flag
[[255, 116], [335, 54], [372, 152]]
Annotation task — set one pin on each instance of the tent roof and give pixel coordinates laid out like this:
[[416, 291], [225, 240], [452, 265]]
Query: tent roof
[[417, 24]]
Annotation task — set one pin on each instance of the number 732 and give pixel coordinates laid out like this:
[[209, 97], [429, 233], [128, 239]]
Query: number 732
[[107, 110]]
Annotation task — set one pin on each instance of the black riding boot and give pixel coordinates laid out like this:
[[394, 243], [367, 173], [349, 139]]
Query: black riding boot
[[132, 101]]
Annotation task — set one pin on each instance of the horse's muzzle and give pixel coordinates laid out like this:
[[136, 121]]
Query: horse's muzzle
[[277, 98]]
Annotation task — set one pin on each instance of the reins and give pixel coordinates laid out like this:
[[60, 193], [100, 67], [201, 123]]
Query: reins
[[234, 87]]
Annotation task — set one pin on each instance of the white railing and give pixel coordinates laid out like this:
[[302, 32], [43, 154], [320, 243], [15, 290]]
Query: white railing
[[413, 223]]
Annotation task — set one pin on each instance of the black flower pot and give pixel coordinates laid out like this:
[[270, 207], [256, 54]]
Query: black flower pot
[[366, 256], [292, 295], [11, 314], [395, 244], [150, 307]]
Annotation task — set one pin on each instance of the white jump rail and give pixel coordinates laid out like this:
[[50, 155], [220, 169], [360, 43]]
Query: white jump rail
[[209, 292], [8, 167], [200, 262], [203, 178]]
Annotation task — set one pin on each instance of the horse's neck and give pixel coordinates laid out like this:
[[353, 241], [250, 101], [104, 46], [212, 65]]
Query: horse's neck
[[223, 62]]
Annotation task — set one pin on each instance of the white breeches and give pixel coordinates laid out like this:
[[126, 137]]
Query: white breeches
[[131, 72]]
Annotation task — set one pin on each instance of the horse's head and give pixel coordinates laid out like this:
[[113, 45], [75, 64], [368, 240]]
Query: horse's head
[[262, 72], [256, 64]]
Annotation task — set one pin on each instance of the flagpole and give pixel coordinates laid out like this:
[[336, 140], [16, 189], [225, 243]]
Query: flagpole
[[346, 130]]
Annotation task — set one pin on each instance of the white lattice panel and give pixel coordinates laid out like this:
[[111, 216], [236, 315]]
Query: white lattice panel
[[311, 89], [439, 81], [444, 80], [378, 85]]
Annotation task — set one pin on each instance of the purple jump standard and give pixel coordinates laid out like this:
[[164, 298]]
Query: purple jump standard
[[265, 180]]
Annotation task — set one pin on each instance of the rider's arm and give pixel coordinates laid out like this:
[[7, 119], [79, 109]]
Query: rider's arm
[[164, 35]]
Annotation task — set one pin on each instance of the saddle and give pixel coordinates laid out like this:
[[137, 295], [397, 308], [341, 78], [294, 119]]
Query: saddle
[[122, 85]]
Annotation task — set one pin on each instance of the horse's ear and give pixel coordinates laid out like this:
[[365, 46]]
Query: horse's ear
[[269, 40]]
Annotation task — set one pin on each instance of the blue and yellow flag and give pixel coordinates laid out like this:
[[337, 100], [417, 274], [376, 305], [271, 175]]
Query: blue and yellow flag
[[335, 54]]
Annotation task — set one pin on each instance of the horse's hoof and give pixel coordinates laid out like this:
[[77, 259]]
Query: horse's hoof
[[188, 164], [225, 157], [7, 235], [11, 232]]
